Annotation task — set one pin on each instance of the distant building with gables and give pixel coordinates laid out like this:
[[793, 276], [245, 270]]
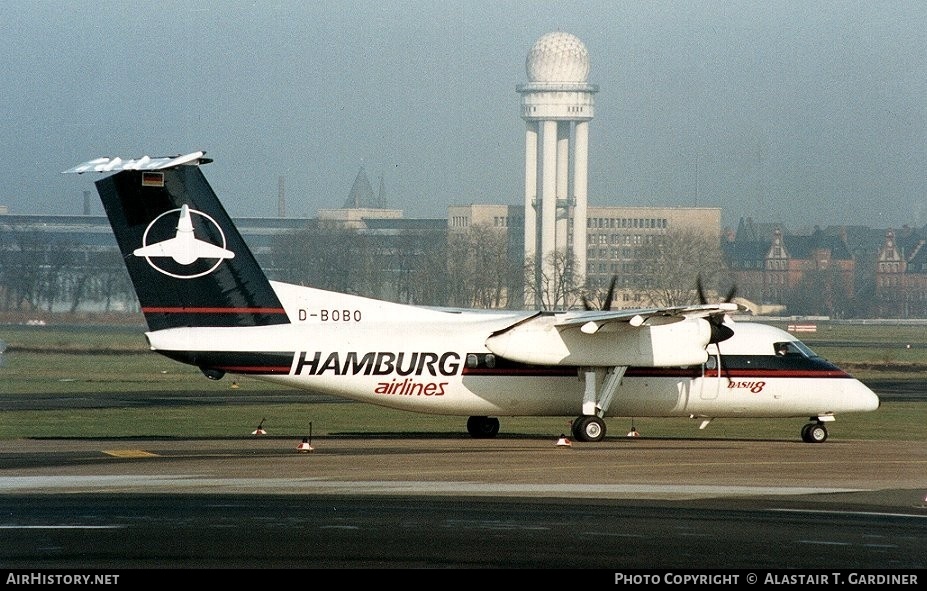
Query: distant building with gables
[[901, 275], [813, 273]]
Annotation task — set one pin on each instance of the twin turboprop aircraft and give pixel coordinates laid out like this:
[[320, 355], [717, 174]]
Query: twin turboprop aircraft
[[207, 303]]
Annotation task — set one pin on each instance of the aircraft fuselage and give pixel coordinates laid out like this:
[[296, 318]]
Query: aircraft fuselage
[[439, 364]]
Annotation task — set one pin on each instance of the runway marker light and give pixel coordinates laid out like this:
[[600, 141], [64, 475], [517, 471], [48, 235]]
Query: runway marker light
[[564, 442], [306, 445], [260, 428]]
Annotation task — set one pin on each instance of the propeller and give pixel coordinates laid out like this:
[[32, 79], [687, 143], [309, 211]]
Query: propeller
[[608, 297], [731, 294], [719, 330]]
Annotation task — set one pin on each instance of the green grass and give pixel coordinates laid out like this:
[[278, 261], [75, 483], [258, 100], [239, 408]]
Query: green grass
[[101, 361], [902, 420]]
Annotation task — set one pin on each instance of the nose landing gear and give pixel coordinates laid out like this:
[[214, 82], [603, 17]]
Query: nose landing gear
[[814, 432]]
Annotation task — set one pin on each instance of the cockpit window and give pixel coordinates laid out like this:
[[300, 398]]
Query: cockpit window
[[787, 348]]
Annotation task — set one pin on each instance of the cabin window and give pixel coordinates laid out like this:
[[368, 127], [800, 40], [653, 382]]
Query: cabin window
[[475, 360]]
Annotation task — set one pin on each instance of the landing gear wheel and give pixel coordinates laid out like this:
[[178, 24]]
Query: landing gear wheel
[[589, 428], [575, 429], [483, 427], [814, 433]]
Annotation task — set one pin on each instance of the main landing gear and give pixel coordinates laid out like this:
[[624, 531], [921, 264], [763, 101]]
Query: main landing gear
[[483, 427], [588, 428], [814, 432], [600, 385]]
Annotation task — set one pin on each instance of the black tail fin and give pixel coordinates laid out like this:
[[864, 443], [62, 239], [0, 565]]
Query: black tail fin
[[187, 261]]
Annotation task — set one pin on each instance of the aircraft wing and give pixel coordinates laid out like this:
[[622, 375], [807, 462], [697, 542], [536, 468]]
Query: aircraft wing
[[592, 321], [656, 337]]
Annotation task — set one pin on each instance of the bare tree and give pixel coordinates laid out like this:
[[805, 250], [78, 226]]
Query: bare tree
[[553, 286], [479, 268], [111, 280], [21, 269], [327, 255], [822, 292], [422, 269], [672, 264]]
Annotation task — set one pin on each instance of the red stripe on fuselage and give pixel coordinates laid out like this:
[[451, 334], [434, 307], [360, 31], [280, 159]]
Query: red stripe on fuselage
[[662, 372], [781, 373], [160, 310], [255, 369]]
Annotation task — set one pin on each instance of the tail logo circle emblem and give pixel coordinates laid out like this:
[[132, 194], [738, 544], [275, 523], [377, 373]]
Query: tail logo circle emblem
[[184, 248]]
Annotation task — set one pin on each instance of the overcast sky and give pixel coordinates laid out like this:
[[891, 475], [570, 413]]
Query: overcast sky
[[804, 112]]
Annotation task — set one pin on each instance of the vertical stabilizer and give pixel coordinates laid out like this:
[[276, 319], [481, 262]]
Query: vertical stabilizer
[[187, 261]]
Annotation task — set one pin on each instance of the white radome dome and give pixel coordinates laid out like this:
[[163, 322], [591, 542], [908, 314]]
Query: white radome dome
[[558, 57]]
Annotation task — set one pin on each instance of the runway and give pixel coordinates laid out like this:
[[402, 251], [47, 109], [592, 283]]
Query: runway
[[650, 468], [439, 502]]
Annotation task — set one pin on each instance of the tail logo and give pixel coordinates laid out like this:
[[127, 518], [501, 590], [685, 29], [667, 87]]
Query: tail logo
[[184, 248]]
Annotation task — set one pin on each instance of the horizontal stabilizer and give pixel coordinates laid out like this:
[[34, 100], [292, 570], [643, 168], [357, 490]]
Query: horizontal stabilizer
[[143, 163]]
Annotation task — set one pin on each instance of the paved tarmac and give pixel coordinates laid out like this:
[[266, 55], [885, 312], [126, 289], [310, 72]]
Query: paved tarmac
[[882, 473], [454, 502]]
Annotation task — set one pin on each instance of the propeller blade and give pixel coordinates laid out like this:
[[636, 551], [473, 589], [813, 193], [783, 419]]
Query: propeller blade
[[702, 299], [731, 294], [701, 292], [611, 293], [586, 305]]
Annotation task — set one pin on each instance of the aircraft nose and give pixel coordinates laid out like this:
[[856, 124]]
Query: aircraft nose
[[865, 400]]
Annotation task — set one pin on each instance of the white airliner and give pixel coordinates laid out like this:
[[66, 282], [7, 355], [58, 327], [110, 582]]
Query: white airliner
[[687, 361]]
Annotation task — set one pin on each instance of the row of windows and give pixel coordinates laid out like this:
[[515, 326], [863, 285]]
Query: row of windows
[[903, 296], [498, 221], [888, 281], [504, 221], [614, 268], [889, 267], [628, 239], [778, 278], [610, 253], [611, 223], [777, 264], [579, 109]]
